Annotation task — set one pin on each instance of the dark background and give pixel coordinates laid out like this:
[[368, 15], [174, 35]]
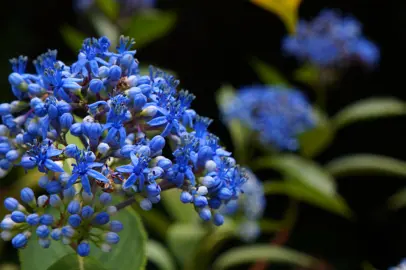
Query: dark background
[[212, 44]]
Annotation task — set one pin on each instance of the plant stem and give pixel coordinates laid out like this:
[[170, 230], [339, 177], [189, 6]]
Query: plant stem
[[125, 203]]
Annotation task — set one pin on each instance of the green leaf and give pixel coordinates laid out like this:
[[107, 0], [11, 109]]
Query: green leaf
[[308, 74], [154, 219], [330, 202], [263, 252], [132, 239], [105, 28], [179, 211], [305, 171], [268, 74], [183, 240], [148, 26], [361, 164], [398, 200], [159, 255], [73, 37], [110, 8], [314, 141], [75, 262], [371, 108]]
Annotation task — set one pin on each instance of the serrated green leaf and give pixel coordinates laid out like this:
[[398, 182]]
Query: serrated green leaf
[[263, 252], [110, 8], [159, 255], [371, 108], [314, 141], [183, 240], [75, 262], [287, 10], [297, 168], [132, 239], [73, 37], [296, 190], [177, 210], [361, 164], [268, 74], [148, 26]]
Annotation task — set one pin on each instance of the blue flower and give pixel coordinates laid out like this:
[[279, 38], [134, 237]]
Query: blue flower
[[60, 84], [115, 120], [40, 155], [89, 58], [83, 169], [138, 170]]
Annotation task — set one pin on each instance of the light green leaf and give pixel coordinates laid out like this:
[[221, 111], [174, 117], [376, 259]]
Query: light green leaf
[[330, 202], [366, 164], [75, 262], [110, 8], [148, 26], [183, 240], [159, 255], [105, 28], [398, 200], [371, 108], [263, 252], [296, 168], [73, 37], [132, 239], [179, 211], [268, 74], [314, 141]]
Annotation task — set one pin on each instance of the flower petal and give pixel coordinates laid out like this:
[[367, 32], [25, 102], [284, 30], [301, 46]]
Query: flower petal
[[94, 67], [158, 121], [97, 175], [95, 165], [52, 152], [51, 165], [111, 134], [69, 84], [86, 184], [72, 180], [167, 130], [134, 159], [125, 169], [191, 176], [130, 181]]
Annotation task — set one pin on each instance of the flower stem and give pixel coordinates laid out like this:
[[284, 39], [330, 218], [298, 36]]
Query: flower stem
[[125, 203]]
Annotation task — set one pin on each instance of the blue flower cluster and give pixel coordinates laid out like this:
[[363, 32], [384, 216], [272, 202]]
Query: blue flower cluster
[[251, 207], [331, 40], [401, 266], [139, 137], [128, 6], [279, 115]]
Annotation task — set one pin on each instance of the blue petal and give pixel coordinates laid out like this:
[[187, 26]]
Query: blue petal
[[72, 180], [125, 169], [69, 84], [123, 135], [142, 180], [94, 165], [97, 175], [134, 159], [111, 134], [158, 121], [101, 61], [167, 130], [44, 126], [130, 181], [107, 126], [191, 176], [52, 152], [94, 67], [86, 184], [53, 166]]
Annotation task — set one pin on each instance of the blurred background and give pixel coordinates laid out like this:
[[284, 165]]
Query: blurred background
[[208, 43]]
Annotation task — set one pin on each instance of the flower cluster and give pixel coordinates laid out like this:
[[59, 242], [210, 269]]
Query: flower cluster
[[331, 40], [401, 266], [251, 207], [139, 137], [279, 115]]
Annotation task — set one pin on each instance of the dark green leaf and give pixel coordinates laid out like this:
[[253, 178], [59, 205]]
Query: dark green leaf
[[179, 211], [159, 255], [183, 240], [73, 37], [110, 8], [305, 171], [366, 164], [132, 239], [263, 252], [314, 141], [398, 200], [369, 109], [330, 202], [268, 74], [75, 262], [308, 74], [148, 26]]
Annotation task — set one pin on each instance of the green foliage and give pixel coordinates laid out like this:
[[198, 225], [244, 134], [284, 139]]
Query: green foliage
[[129, 253], [270, 253], [371, 108], [75, 262], [361, 164], [177, 210], [110, 8], [72, 37], [159, 255], [398, 200], [148, 26], [268, 74], [105, 27], [308, 74]]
